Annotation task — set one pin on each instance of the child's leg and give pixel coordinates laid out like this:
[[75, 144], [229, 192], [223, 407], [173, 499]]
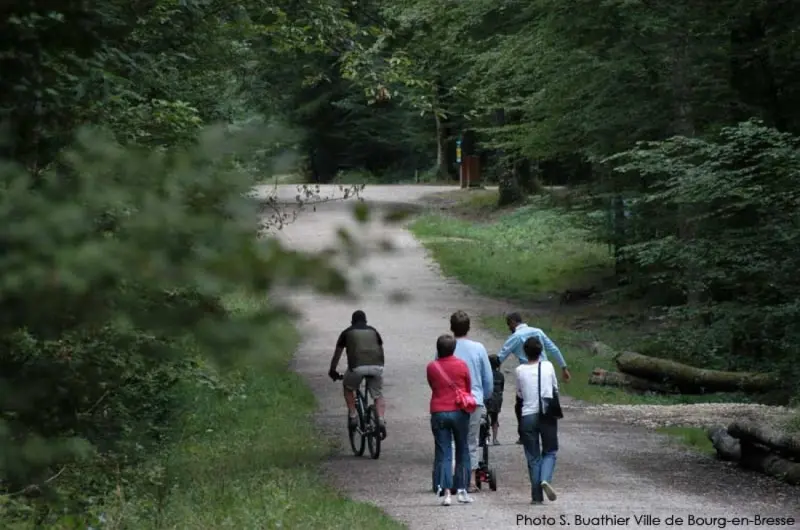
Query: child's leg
[[495, 425]]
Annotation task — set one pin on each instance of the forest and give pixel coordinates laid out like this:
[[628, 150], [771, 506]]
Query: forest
[[132, 132]]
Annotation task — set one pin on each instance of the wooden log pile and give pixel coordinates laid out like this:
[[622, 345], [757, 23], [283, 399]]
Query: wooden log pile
[[645, 373], [759, 447]]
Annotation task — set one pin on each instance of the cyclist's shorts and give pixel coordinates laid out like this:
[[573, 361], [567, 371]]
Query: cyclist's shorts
[[352, 378]]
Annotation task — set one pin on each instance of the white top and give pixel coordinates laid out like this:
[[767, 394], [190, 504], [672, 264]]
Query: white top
[[528, 385]]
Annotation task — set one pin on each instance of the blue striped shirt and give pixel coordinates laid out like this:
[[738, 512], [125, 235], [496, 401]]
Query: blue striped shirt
[[514, 345]]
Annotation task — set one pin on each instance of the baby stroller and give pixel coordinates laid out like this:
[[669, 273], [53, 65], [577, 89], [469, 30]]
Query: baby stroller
[[484, 473]]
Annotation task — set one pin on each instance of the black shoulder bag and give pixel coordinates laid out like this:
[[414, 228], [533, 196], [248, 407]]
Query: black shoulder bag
[[553, 411]]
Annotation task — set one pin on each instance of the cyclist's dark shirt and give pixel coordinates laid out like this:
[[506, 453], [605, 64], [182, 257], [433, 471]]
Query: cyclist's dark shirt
[[363, 344]]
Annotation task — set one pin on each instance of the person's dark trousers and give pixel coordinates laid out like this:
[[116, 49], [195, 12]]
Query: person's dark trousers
[[541, 457], [446, 428]]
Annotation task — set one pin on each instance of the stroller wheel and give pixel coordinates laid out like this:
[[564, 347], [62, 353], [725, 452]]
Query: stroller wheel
[[492, 480]]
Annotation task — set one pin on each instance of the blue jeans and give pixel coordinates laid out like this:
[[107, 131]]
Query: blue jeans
[[446, 427], [541, 458]]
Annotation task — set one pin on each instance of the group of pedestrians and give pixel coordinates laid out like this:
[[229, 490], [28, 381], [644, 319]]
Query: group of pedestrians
[[467, 385], [465, 381]]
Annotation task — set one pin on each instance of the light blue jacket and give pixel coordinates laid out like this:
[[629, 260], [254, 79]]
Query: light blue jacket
[[514, 343], [480, 369]]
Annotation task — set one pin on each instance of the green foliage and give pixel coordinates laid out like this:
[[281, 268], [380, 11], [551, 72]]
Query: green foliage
[[694, 438], [116, 266], [739, 194]]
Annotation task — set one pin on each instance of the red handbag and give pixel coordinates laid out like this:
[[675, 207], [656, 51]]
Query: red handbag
[[464, 400]]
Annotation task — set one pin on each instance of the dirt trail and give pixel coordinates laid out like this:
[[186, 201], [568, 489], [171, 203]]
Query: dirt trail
[[606, 469]]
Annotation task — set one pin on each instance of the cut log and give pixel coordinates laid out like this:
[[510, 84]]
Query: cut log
[[767, 435], [691, 379], [728, 448], [757, 458], [601, 349], [609, 378]]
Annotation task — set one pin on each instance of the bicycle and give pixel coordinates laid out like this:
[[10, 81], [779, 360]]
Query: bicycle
[[367, 430]]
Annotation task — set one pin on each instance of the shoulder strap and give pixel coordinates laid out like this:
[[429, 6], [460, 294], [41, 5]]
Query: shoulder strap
[[540, 386], [444, 374]]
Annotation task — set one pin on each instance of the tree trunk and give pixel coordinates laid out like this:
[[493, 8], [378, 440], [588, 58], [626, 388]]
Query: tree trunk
[[602, 377], [441, 149], [620, 239], [768, 435], [683, 125], [691, 380], [759, 459], [510, 191], [728, 448]]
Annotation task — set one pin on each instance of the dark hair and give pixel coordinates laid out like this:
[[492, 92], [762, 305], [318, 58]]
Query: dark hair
[[494, 360], [445, 345], [359, 317], [514, 318], [459, 323], [533, 348]]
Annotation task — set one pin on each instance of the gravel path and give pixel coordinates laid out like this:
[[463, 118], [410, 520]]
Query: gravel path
[[607, 469]]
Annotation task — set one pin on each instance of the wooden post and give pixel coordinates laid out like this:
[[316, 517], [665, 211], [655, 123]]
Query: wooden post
[[459, 161], [474, 174], [470, 162]]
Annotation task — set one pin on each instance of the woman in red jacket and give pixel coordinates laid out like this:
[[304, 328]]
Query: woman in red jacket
[[448, 421]]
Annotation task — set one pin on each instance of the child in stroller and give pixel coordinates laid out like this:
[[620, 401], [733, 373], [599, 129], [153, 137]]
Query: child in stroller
[[495, 403], [485, 473]]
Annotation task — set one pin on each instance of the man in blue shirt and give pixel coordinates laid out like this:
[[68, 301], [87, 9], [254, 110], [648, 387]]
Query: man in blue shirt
[[476, 357], [520, 332]]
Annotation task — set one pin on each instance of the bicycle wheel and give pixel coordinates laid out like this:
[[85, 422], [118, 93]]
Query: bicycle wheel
[[358, 435], [374, 430]]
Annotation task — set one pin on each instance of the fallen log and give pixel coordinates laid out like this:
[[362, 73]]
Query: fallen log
[[727, 447], [691, 379], [757, 458], [608, 378], [762, 433], [601, 349]]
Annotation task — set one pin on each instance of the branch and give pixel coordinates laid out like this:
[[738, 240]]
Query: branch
[[33, 487]]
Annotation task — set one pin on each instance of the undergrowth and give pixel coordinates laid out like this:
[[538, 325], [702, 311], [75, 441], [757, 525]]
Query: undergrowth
[[526, 252]]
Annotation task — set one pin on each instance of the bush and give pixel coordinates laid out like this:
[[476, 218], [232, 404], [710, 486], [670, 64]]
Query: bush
[[116, 263], [718, 220]]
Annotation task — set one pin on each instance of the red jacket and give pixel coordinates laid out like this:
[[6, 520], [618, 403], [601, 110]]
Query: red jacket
[[443, 396]]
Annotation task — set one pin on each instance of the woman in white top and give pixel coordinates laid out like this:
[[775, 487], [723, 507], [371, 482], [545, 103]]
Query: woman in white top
[[541, 458]]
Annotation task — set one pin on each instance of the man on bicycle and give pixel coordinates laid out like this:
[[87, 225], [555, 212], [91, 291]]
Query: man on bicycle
[[364, 347]]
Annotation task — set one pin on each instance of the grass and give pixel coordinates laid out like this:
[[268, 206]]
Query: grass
[[793, 425], [525, 252], [694, 438], [249, 459]]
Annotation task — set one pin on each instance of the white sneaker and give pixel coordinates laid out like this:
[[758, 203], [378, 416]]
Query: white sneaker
[[447, 500], [548, 490], [464, 497]]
